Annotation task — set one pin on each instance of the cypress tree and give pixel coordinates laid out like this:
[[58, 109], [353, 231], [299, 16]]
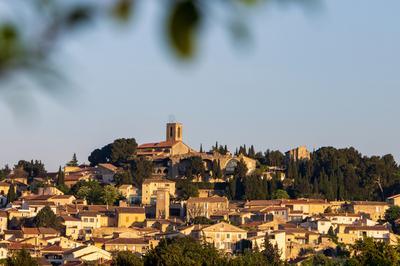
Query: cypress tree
[[11, 195], [60, 177], [251, 152], [219, 170]]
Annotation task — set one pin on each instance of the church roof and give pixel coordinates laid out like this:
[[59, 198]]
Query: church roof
[[163, 144]]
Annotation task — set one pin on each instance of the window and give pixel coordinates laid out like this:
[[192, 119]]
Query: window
[[170, 132], [239, 236], [91, 220], [179, 132], [228, 235], [217, 236], [85, 220]]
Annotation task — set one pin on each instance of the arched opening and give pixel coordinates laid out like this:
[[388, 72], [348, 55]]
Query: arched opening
[[230, 166]]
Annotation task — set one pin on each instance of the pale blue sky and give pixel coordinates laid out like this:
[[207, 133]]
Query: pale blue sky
[[322, 78]]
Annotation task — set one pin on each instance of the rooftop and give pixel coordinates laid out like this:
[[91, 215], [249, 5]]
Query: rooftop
[[163, 144], [130, 210]]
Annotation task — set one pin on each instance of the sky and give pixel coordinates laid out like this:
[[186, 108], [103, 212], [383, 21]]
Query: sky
[[326, 77]]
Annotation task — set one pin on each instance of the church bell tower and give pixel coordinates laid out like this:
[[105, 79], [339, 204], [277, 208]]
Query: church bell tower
[[174, 132]]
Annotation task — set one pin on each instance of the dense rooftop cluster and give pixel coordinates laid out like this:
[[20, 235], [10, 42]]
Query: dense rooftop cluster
[[134, 202]]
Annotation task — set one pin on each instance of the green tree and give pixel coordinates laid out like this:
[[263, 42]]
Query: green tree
[[90, 190], [255, 188], [319, 260], [183, 251], [122, 150], [391, 215], [21, 258], [251, 153], [4, 172], [332, 234], [370, 252], [11, 195], [194, 167], [141, 169], [236, 186], [47, 218], [60, 177], [249, 258], [240, 169], [202, 220], [110, 195], [123, 177], [126, 258], [280, 194], [34, 168], [83, 192], [74, 161], [119, 152], [216, 169], [273, 158], [271, 252], [186, 189]]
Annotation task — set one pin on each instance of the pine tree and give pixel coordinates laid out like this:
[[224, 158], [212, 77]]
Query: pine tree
[[74, 161], [11, 195], [60, 177], [201, 148]]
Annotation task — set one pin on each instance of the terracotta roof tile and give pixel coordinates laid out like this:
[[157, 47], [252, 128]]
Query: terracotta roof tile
[[130, 210], [127, 241], [157, 180], [163, 144], [369, 203], [213, 199]]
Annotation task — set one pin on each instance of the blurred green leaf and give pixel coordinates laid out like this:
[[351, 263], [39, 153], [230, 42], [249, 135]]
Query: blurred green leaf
[[78, 16], [9, 44], [239, 30], [249, 2], [183, 25], [123, 9]]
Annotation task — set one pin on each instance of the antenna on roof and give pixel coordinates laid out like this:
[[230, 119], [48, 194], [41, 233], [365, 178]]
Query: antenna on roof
[[171, 118]]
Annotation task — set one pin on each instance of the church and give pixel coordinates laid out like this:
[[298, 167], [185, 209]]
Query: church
[[171, 156], [173, 144]]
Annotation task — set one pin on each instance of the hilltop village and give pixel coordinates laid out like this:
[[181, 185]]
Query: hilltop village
[[135, 198]]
